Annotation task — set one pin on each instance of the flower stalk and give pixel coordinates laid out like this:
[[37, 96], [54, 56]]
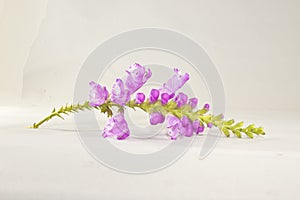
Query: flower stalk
[[228, 127], [63, 110]]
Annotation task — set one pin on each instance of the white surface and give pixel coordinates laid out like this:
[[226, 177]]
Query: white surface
[[51, 163], [255, 46]]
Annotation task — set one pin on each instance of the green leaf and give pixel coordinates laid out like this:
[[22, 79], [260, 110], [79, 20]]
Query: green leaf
[[237, 133], [249, 134], [202, 111], [251, 126], [238, 125], [226, 132], [229, 122], [60, 116]]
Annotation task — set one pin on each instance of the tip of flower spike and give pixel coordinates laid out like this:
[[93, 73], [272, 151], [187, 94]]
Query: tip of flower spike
[[32, 126]]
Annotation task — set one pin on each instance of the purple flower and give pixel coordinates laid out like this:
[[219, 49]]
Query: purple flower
[[175, 82], [116, 125], [154, 94], [200, 129], [209, 125], [197, 127], [119, 94], [97, 94], [206, 106], [174, 126], [186, 126], [164, 98], [171, 96], [193, 102], [156, 118], [136, 77], [140, 98], [181, 99]]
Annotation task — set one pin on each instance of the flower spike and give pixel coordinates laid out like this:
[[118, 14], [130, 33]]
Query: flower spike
[[180, 114]]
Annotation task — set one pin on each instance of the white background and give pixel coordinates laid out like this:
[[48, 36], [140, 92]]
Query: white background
[[255, 46]]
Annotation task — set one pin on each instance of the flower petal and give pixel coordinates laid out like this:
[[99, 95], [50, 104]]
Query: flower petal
[[156, 118], [181, 99], [119, 94], [97, 94], [193, 102], [137, 76], [175, 82], [118, 126], [140, 98], [154, 94]]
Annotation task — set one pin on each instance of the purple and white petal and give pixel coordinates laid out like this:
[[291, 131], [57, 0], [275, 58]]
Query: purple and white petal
[[175, 82], [137, 76], [97, 94], [186, 126], [116, 126], [197, 127], [119, 94], [174, 126]]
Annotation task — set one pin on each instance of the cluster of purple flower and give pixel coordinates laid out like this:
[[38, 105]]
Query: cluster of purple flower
[[136, 77]]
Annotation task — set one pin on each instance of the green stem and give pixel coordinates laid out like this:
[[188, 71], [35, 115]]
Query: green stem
[[63, 110], [170, 108]]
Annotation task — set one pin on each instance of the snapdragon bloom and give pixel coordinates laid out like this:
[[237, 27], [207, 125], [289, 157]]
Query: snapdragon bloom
[[137, 75], [186, 126], [156, 118], [174, 126], [181, 99], [119, 93], [154, 94], [97, 94], [116, 126], [193, 102], [182, 127], [197, 127], [140, 98], [175, 82], [164, 98]]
